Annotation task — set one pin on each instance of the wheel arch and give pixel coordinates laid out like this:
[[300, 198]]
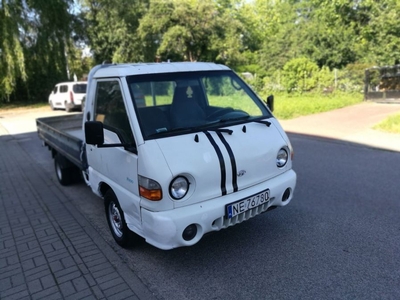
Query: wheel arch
[[116, 218], [103, 188]]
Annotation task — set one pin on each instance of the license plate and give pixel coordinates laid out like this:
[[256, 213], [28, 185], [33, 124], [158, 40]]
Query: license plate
[[241, 206]]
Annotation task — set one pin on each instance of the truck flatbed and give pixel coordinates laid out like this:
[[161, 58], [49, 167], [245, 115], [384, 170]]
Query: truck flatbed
[[64, 134]]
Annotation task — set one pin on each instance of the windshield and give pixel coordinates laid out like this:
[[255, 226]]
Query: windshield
[[178, 103]]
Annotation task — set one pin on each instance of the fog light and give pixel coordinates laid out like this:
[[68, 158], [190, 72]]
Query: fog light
[[190, 232], [286, 195]]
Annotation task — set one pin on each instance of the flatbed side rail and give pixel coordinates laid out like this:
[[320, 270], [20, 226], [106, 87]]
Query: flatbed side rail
[[56, 133]]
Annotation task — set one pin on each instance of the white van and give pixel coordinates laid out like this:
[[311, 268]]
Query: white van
[[68, 95]]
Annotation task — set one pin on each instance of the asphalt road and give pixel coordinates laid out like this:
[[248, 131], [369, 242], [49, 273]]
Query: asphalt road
[[338, 239]]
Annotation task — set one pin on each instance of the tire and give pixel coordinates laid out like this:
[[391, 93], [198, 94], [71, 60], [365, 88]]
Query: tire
[[65, 175], [116, 221], [67, 108], [52, 106], [83, 104]]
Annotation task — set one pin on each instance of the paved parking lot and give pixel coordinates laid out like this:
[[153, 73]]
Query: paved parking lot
[[352, 124], [48, 250]]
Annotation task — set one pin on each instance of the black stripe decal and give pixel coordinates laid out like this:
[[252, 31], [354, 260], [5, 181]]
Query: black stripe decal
[[233, 161], [221, 162]]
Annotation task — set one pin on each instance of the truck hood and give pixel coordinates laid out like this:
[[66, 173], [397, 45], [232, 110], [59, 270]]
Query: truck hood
[[218, 163]]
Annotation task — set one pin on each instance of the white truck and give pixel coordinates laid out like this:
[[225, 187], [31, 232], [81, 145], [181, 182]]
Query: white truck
[[176, 150]]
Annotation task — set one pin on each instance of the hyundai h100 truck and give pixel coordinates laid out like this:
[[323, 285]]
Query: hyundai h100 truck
[[176, 150]]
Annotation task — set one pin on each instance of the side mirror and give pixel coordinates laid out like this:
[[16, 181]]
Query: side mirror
[[270, 102], [94, 134]]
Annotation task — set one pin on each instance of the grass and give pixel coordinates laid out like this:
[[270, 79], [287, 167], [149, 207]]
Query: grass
[[21, 105], [391, 124], [288, 106]]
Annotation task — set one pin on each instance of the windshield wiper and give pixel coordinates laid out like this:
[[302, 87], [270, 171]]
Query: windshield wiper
[[213, 126], [257, 120], [223, 120], [229, 131], [268, 123], [173, 131]]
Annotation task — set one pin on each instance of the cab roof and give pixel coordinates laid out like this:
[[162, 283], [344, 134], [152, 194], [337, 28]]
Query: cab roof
[[120, 70]]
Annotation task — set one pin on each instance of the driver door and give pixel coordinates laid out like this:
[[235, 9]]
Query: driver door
[[116, 166]]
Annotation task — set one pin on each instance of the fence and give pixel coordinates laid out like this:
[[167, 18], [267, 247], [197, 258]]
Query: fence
[[382, 84]]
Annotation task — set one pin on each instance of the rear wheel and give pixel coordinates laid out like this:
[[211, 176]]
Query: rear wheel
[[65, 171], [116, 221], [67, 108]]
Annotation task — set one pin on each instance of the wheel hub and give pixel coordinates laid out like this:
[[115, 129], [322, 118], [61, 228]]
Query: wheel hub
[[115, 218]]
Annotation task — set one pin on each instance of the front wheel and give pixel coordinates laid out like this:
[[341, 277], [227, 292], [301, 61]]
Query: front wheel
[[116, 221]]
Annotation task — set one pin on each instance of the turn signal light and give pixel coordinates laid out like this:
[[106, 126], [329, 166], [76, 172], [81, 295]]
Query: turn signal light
[[149, 189], [153, 195]]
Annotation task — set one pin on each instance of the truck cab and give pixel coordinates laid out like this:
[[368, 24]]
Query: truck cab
[[178, 150]]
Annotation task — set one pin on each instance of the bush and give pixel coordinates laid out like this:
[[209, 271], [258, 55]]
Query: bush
[[351, 78], [299, 74], [303, 75]]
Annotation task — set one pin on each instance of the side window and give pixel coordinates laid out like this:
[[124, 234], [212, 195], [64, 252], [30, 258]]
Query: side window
[[111, 111], [63, 88], [55, 90]]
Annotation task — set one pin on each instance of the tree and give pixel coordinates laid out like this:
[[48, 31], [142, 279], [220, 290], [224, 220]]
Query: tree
[[40, 41], [34, 43], [273, 31], [191, 30], [111, 29], [379, 37], [12, 61], [327, 34]]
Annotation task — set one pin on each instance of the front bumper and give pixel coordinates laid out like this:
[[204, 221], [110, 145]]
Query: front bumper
[[164, 229]]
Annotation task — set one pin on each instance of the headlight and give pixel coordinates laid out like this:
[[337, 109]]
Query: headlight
[[282, 158], [179, 187]]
